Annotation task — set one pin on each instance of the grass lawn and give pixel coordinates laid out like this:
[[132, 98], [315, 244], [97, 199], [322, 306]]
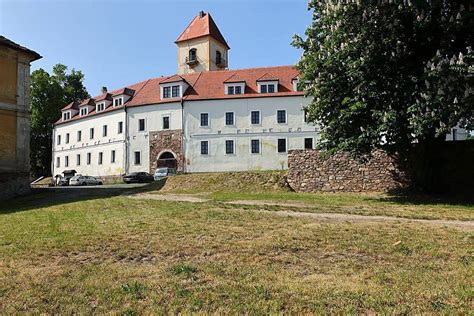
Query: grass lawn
[[130, 256]]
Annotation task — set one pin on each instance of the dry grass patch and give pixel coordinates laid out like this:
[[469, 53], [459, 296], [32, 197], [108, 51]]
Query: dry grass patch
[[132, 256]]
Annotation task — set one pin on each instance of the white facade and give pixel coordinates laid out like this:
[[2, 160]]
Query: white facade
[[267, 132], [65, 153], [138, 122]]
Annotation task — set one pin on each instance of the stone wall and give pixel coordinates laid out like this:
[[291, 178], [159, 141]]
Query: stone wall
[[310, 171], [164, 141], [13, 184]]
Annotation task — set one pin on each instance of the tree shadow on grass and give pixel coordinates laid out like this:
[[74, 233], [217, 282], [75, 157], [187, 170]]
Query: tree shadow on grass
[[46, 197], [407, 197]]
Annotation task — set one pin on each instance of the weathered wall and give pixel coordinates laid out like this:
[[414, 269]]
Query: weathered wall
[[166, 141], [310, 171]]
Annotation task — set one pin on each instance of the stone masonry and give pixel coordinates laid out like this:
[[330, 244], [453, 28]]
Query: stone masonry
[[310, 171], [166, 141]]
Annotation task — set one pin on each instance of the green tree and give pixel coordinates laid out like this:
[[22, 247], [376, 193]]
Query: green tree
[[50, 93], [386, 74]]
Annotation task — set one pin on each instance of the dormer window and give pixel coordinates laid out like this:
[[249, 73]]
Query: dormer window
[[175, 91], [296, 86], [173, 87], [234, 88], [100, 106], [118, 102], [268, 87], [84, 111], [66, 116]]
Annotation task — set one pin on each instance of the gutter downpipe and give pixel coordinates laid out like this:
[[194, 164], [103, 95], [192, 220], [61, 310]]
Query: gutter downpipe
[[126, 137], [183, 147]]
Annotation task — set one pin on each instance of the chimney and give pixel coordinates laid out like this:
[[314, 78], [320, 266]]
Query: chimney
[[201, 14], [104, 90]]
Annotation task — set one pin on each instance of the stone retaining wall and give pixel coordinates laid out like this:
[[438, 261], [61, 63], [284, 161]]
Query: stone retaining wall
[[310, 171]]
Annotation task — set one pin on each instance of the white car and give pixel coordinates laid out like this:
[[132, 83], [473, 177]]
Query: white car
[[84, 180], [161, 173]]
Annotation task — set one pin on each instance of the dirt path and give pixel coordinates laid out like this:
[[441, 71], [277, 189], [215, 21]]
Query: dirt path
[[325, 217]]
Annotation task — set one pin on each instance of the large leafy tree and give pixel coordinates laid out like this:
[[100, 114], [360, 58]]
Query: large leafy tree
[[50, 93], [388, 73]]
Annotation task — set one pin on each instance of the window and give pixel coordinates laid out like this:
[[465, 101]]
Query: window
[[141, 125], [66, 161], [267, 88], [166, 92], [204, 119], [91, 133], [104, 131], [78, 159], [234, 89], [118, 102], [89, 158], [218, 57], [58, 162], [67, 138], [59, 140], [455, 134], [66, 116], [166, 122], [101, 158], [229, 147], [79, 136], [281, 116], [255, 117], [229, 118], [204, 147], [112, 156], [305, 113], [84, 111], [120, 128], [137, 158], [308, 143], [175, 91], [192, 54], [281, 145], [100, 106], [255, 146]]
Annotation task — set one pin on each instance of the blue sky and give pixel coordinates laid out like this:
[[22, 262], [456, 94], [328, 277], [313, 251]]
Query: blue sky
[[117, 43]]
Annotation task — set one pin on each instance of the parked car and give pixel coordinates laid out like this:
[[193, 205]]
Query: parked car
[[138, 177], [64, 180], [161, 173], [84, 180]]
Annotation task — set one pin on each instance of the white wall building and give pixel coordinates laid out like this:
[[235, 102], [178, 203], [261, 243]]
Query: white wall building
[[205, 118]]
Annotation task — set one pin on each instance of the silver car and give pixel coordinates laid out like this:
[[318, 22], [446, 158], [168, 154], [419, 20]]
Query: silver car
[[84, 180], [161, 173]]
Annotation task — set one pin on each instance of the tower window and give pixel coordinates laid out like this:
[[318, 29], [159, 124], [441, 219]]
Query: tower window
[[192, 54], [218, 57]]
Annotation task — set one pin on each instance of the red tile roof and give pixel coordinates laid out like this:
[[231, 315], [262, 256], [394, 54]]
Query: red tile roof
[[268, 77], [208, 85], [202, 25], [234, 78]]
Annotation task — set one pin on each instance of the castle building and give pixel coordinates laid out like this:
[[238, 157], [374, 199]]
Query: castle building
[[204, 118]]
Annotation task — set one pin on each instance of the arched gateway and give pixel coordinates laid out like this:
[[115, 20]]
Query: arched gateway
[[167, 159]]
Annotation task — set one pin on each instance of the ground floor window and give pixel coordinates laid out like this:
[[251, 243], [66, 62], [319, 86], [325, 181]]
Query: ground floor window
[[281, 145], [58, 162], [204, 147], [255, 146], [66, 161], [78, 159], [308, 143], [89, 158], [138, 158], [229, 147], [101, 156], [112, 156]]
